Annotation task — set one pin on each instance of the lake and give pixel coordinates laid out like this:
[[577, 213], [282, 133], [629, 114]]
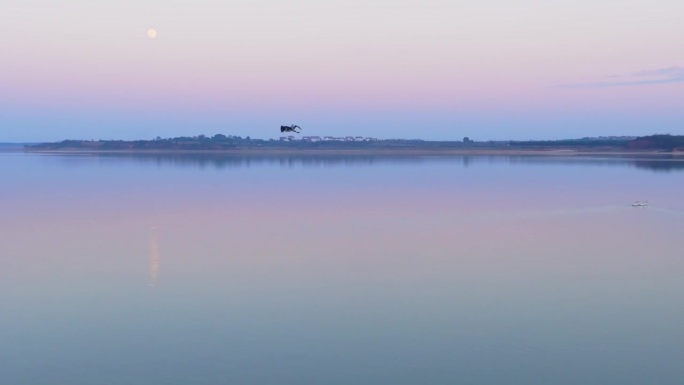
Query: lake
[[154, 269]]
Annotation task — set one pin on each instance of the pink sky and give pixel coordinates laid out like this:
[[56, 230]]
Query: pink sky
[[468, 68]]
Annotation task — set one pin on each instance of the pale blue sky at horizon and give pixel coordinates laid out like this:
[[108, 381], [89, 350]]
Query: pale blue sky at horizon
[[433, 69]]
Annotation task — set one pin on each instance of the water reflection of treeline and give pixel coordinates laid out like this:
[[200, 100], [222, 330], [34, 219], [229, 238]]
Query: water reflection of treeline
[[664, 163], [228, 161]]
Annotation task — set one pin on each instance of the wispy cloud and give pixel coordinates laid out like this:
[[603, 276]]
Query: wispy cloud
[[658, 76]]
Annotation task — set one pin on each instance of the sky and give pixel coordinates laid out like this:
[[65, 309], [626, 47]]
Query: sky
[[431, 69]]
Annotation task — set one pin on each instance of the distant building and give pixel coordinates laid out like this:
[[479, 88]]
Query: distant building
[[339, 138], [311, 138]]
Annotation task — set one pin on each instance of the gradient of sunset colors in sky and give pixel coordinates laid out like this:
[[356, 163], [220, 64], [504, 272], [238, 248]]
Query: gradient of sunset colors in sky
[[434, 69]]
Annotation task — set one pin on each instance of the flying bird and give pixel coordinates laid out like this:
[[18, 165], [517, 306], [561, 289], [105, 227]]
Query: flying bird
[[290, 128]]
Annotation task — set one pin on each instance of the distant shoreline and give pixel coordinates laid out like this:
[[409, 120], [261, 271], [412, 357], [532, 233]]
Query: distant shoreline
[[654, 145], [371, 151]]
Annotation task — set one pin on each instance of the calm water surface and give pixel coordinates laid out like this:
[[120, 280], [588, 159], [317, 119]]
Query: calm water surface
[[338, 270]]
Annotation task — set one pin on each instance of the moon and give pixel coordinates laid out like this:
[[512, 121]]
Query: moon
[[151, 33]]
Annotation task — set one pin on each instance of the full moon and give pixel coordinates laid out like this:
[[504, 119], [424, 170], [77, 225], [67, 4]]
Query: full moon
[[151, 33]]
